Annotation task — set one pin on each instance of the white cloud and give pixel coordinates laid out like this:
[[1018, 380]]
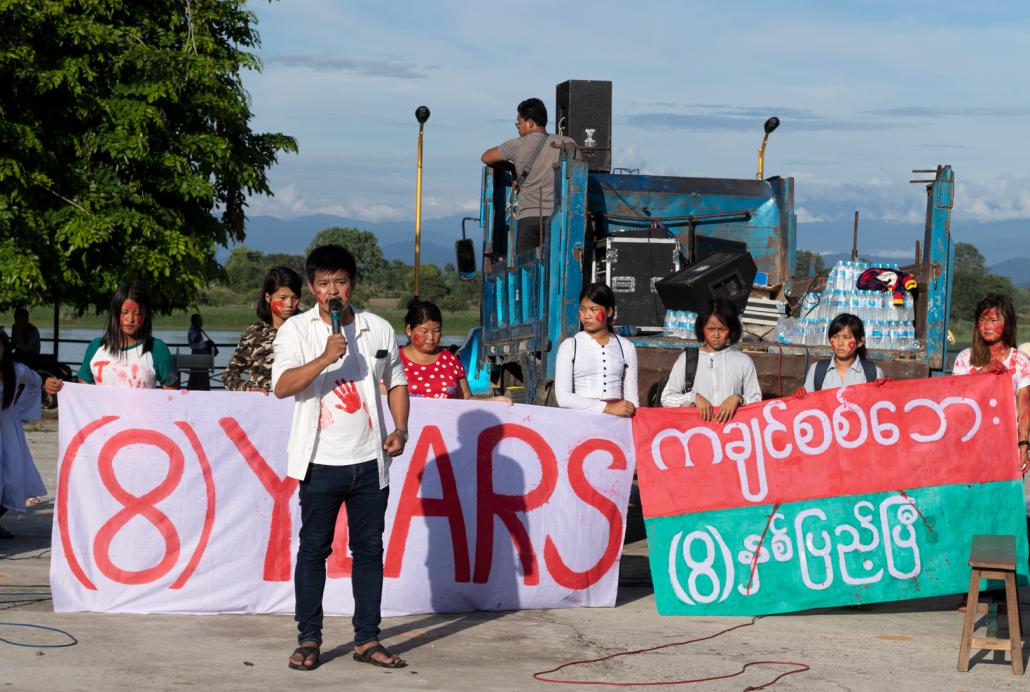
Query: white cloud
[[805, 216], [998, 200]]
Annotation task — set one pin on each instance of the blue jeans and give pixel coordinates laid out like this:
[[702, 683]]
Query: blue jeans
[[322, 493]]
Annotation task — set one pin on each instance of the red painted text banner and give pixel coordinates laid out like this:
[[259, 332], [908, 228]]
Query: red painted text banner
[[178, 502], [847, 441]]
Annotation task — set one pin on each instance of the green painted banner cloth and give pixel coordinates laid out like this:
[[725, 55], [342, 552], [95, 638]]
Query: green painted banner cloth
[[833, 551]]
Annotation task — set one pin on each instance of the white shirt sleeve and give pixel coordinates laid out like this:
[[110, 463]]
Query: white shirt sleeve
[[673, 395], [288, 350], [630, 386], [393, 373], [752, 391], [563, 393], [962, 366]]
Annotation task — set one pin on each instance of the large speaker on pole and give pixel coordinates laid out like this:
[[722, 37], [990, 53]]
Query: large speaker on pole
[[585, 113], [728, 275]]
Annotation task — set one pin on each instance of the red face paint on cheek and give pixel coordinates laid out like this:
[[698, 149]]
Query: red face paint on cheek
[[418, 339], [851, 345], [277, 308]]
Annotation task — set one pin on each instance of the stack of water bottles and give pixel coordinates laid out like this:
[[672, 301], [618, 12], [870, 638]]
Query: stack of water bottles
[[887, 326], [680, 324]]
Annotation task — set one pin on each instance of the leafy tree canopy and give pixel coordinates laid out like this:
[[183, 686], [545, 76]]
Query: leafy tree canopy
[[125, 146], [362, 244], [972, 280]]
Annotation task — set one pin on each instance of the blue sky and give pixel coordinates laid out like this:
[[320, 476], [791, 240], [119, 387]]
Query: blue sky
[[866, 91]]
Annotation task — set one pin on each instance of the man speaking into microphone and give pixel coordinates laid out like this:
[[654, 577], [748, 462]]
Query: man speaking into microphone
[[331, 359]]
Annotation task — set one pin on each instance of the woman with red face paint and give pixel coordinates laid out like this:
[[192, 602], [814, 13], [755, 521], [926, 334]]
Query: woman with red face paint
[[126, 355], [250, 368], [994, 350], [432, 373], [849, 365], [596, 369]]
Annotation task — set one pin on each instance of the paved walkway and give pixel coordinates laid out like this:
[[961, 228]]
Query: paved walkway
[[905, 646]]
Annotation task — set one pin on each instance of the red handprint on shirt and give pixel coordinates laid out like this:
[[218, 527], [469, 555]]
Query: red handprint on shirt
[[347, 392]]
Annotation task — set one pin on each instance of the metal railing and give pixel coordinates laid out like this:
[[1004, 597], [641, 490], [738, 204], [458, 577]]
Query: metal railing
[[215, 372]]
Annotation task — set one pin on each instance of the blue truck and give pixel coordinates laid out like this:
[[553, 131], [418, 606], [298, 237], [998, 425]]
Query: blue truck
[[653, 225]]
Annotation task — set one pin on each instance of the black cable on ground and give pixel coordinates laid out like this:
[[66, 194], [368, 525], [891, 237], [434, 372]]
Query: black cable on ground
[[31, 645]]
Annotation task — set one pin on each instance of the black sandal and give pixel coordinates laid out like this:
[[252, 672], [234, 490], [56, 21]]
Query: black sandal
[[366, 657], [306, 652]]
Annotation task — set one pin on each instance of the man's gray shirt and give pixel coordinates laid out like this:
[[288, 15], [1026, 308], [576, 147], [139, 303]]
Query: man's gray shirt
[[536, 196]]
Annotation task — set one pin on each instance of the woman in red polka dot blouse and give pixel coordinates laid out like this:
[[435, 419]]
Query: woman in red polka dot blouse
[[432, 373]]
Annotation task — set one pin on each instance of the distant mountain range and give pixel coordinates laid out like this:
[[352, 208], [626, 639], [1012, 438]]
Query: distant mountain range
[[396, 238], [1004, 244]]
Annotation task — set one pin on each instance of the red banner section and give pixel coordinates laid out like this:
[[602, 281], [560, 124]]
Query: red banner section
[[845, 441]]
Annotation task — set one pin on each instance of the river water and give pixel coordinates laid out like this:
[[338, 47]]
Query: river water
[[74, 342]]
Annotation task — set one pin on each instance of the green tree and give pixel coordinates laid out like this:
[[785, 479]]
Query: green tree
[[125, 146], [363, 245], [804, 260], [972, 280]]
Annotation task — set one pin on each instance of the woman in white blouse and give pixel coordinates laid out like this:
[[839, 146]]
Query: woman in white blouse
[[723, 377], [596, 368]]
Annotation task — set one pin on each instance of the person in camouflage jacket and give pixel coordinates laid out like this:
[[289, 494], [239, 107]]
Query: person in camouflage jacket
[[250, 368]]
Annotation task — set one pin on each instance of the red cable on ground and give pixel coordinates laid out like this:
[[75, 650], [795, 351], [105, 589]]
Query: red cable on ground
[[799, 667]]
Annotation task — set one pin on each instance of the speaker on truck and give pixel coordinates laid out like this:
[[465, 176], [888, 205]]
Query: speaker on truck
[[584, 112], [719, 275]]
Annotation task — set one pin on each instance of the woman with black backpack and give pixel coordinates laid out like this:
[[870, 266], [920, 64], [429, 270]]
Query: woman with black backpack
[[848, 365]]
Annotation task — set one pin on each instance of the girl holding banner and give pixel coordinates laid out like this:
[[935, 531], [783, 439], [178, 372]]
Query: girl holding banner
[[994, 350], [432, 373], [723, 377], [596, 369], [127, 355], [848, 365]]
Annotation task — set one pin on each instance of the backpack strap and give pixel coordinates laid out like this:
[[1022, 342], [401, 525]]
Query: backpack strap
[[524, 173], [690, 359], [870, 370], [821, 368], [574, 362]]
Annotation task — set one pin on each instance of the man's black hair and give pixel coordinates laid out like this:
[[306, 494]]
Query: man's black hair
[[330, 258], [21, 312], [535, 110]]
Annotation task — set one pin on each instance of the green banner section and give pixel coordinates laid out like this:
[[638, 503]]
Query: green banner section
[[834, 551]]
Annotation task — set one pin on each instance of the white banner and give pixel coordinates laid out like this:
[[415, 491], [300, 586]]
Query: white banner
[[176, 502]]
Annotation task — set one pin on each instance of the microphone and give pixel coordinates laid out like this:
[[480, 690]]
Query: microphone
[[336, 314]]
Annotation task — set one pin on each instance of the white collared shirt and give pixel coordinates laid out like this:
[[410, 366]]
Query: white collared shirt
[[598, 375], [300, 340], [720, 374]]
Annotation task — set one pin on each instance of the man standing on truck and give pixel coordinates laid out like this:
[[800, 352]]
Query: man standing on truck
[[534, 154]]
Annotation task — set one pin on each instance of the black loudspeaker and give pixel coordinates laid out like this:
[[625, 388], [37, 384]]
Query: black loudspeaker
[[584, 112], [726, 275]]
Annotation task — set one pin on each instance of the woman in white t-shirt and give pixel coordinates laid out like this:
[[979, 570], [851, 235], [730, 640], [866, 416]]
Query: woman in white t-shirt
[[126, 355], [596, 369], [994, 350]]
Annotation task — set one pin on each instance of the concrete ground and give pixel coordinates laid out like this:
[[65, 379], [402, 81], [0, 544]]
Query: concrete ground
[[909, 646]]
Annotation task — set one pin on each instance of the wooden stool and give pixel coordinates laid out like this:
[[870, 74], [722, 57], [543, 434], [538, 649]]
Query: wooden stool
[[992, 557]]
